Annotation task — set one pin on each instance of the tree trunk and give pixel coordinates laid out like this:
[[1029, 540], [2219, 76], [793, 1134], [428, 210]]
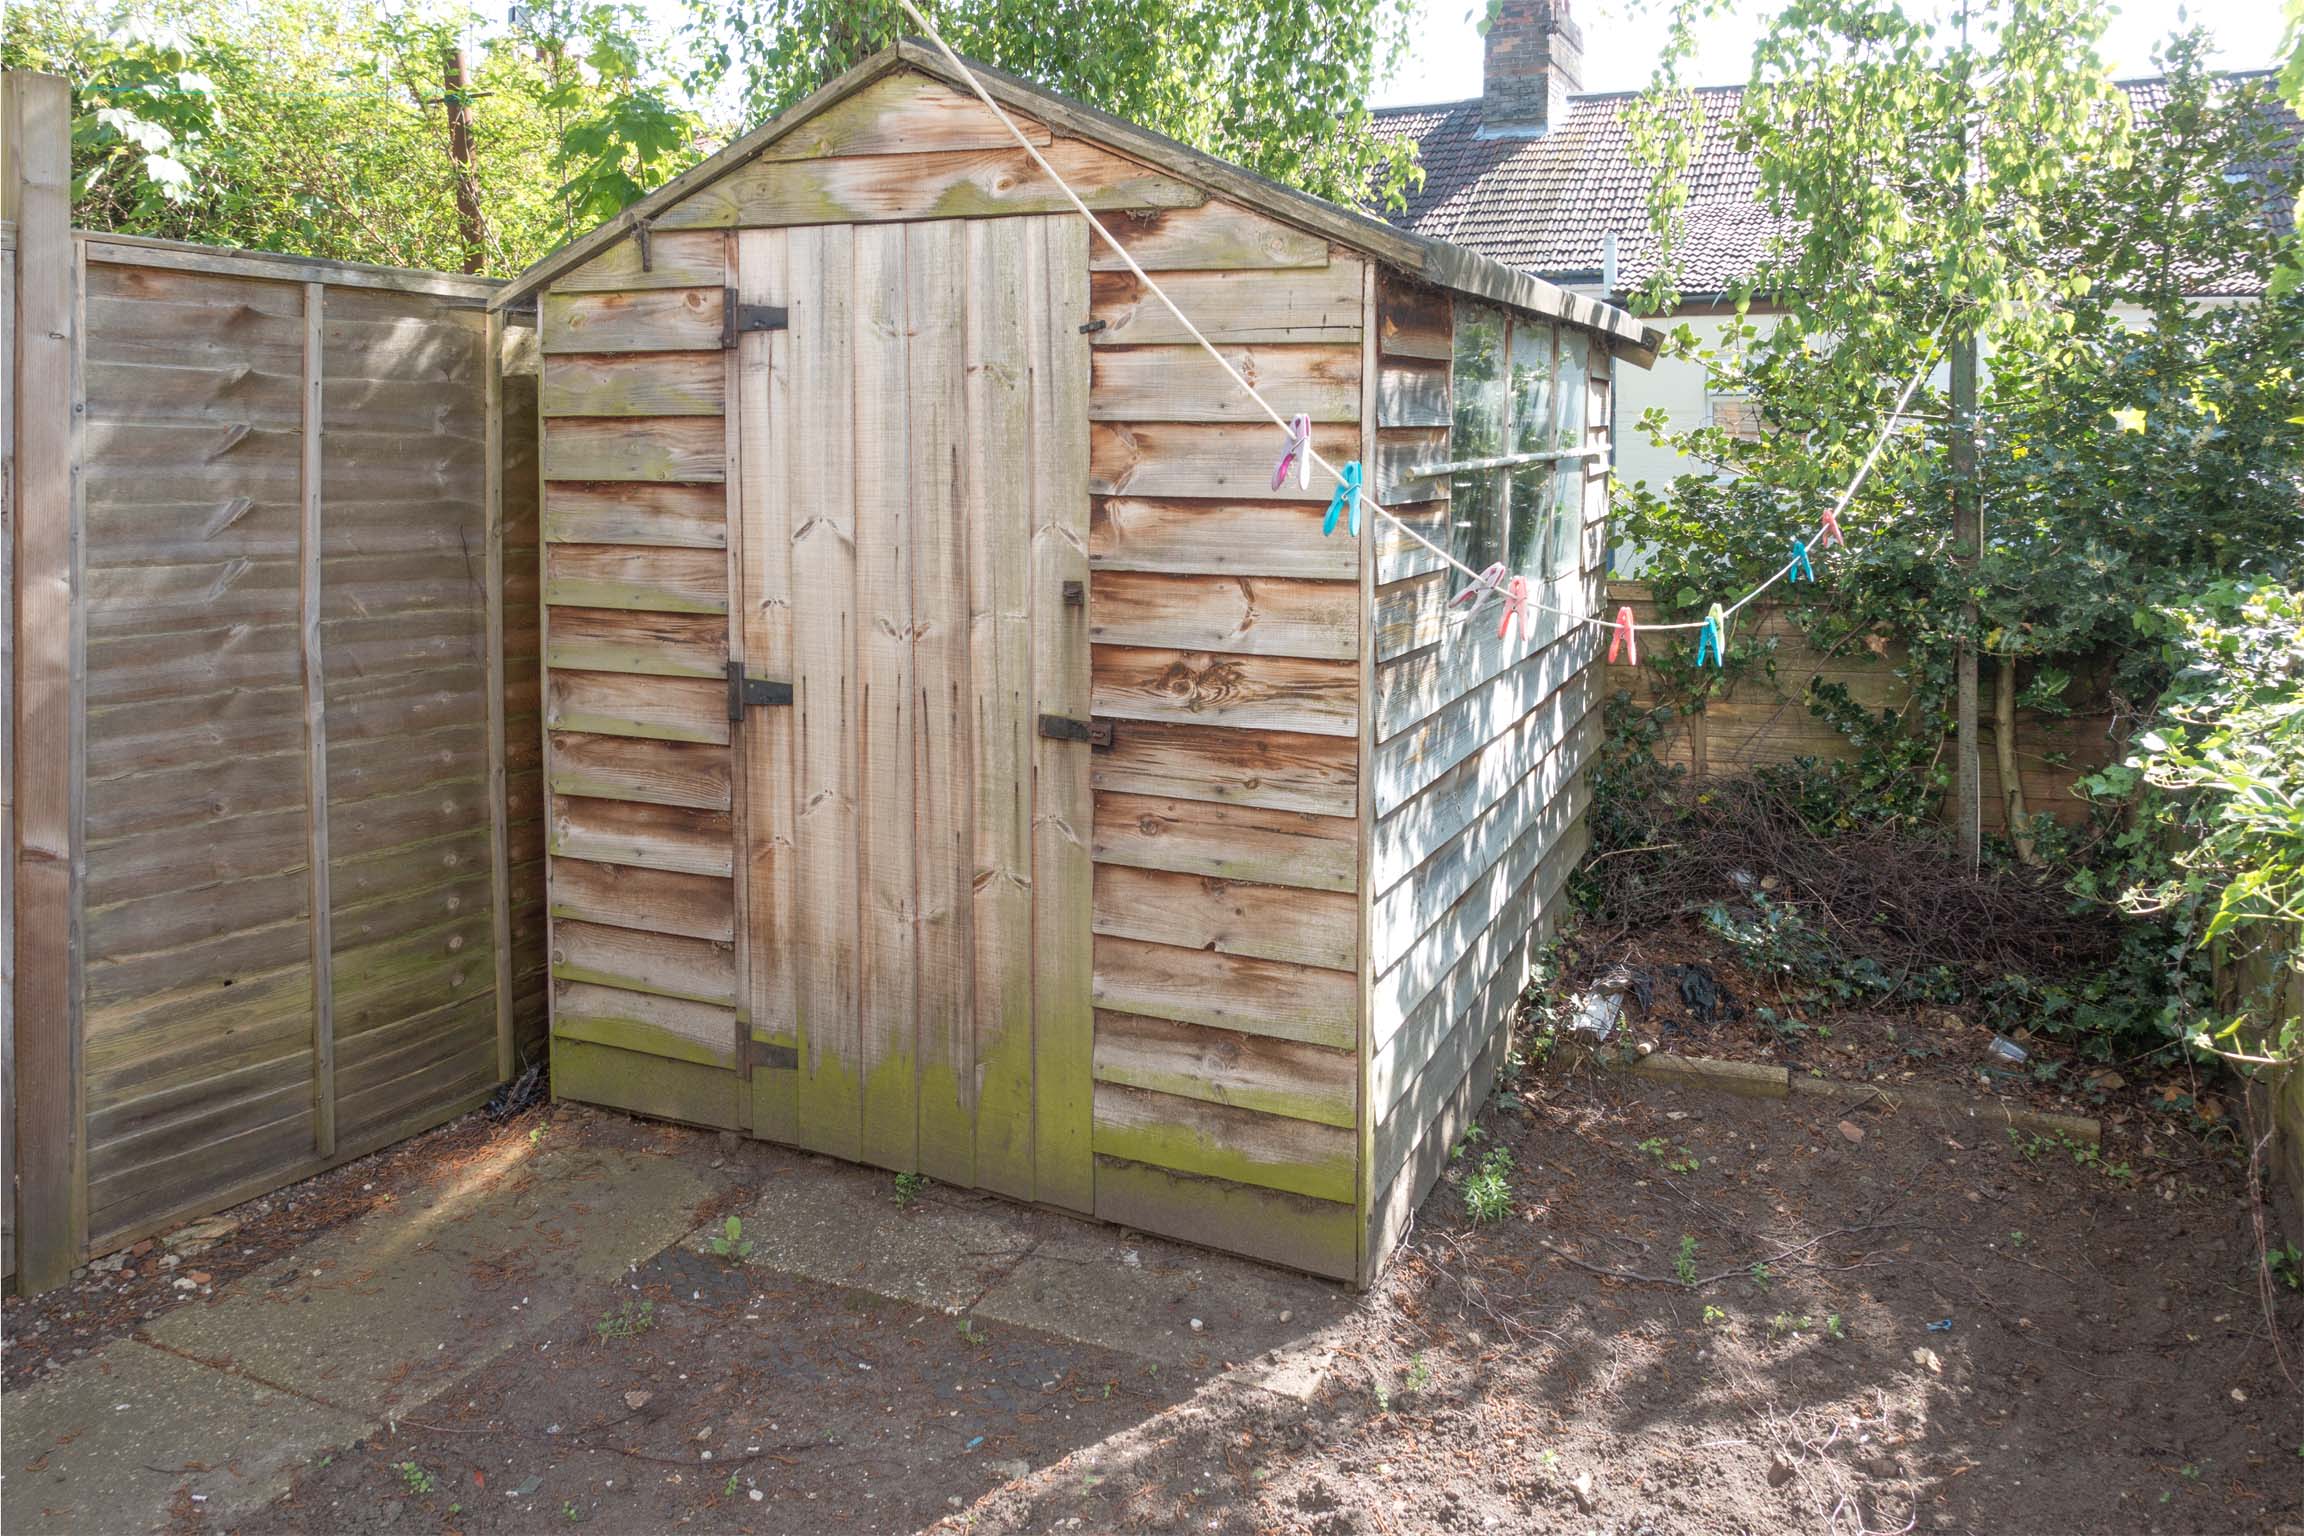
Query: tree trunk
[[2004, 751], [1967, 547], [470, 223]]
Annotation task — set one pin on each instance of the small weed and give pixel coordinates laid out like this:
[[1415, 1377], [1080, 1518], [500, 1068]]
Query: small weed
[[972, 1335], [630, 1321], [1474, 1134], [1685, 1265], [1488, 1193], [1714, 1317], [2082, 1154], [1672, 1159], [1763, 1279], [535, 1134], [2286, 1262], [456, 1509], [908, 1187], [1419, 1374], [1784, 1322], [418, 1480], [730, 1490], [1832, 1328], [568, 1508], [1547, 1459], [730, 1242], [2017, 1239], [1383, 1397]]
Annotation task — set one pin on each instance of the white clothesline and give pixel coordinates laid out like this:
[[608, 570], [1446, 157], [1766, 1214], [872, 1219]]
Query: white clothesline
[[1481, 578]]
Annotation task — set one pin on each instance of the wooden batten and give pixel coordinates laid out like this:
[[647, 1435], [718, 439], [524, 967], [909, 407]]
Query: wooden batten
[[313, 489]]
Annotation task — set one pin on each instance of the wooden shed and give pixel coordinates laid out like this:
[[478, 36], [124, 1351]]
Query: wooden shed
[[961, 759]]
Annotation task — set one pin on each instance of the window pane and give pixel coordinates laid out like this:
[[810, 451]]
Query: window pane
[[1532, 347], [1564, 548], [1533, 509], [1477, 382]]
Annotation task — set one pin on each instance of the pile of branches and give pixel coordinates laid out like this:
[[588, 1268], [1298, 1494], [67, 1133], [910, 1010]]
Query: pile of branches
[[1906, 901]]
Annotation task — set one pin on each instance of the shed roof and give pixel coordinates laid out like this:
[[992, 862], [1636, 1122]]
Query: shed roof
[[1447, 266]]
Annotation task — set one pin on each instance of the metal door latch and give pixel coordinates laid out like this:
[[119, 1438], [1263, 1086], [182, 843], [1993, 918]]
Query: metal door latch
[[744, 690], [1097, 733]]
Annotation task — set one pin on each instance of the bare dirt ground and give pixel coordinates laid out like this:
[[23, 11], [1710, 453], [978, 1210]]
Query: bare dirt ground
[[1900, 1321]]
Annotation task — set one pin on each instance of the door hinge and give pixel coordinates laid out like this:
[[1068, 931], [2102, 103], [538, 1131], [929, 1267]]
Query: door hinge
[[1097, 733], [736, 318], [744, 690], [767, 1053]]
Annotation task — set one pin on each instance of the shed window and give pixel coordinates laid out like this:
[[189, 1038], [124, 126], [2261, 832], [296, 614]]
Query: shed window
[[1519, 387]]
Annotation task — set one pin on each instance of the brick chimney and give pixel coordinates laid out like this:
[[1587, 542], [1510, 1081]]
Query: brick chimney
[[1535, 63]]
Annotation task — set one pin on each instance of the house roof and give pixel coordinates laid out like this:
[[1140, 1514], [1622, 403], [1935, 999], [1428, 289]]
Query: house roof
[[1547, 204], [1435, 261]]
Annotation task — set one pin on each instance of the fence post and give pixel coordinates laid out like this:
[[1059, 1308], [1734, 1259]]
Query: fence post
[[35, 195]]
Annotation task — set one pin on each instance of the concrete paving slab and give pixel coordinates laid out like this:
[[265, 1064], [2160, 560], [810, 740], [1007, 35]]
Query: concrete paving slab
[[390, 1310], [106, 1447], [836, 1224]]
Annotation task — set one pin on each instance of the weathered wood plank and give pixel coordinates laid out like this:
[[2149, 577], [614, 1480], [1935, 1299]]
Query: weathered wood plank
[[999, 261], [1275, 770], [1314, 1235], [700, 970], [887, 880], [1227, 842], [659, 1086], [1224, 1066], [625, 768], [901, 113], [1278, 693], [1255, 305], [767, 455], [1183, 383], [655, 320], [667, 837], [1407, 836], [1262, 997], [1407, 762], [648, 448], [1245, 538], [1228, 917], [1254, 615], [1412, 394], [683, 516], [1218, 1141], [1199, 459], [638, 1021], [647, 580], [1212, 237], [655, 644], [935, 297], [675, 260], [313, 488], [1414, 319], [655, 900], [636, 384], [1064, 1028], [612, 704], [942, 184], [822, 491]]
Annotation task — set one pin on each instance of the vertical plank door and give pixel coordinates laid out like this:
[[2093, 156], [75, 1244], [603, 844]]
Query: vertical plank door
[[914, 508]]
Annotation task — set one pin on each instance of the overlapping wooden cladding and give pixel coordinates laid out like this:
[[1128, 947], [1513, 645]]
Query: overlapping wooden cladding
[[1228, 639]]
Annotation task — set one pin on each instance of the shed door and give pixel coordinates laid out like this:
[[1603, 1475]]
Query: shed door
[[913, 472]]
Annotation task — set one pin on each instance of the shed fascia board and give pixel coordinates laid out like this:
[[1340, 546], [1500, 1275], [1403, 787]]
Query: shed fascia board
[[275, 266], [1448, 266]]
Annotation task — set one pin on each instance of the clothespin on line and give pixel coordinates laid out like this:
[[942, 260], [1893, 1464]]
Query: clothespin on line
[[1347, 496], [1831, 534], [1483, 584], [1800, 565], [1626, 637], [1298, 452], [1516, 606], [1715, 635]]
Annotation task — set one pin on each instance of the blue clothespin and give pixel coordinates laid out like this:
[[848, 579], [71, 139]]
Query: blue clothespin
[[1713, 635], [1347, 495], [1800, 565]]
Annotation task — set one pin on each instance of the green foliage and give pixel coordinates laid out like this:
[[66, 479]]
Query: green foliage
[[2216, 848], [1684, 1263], [909, 1187], [730, 1242], [418, 1481], [1280, 86], [628, 1321], [1488, 1192]]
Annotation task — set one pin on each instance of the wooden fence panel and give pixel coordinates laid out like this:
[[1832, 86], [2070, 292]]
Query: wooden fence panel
[[279, 646]]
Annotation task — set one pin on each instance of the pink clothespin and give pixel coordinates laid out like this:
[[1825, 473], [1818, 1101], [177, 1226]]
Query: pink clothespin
[[1626, 638], [1829, 535], [1483, 584], [1516, 605], [1298, 452]]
